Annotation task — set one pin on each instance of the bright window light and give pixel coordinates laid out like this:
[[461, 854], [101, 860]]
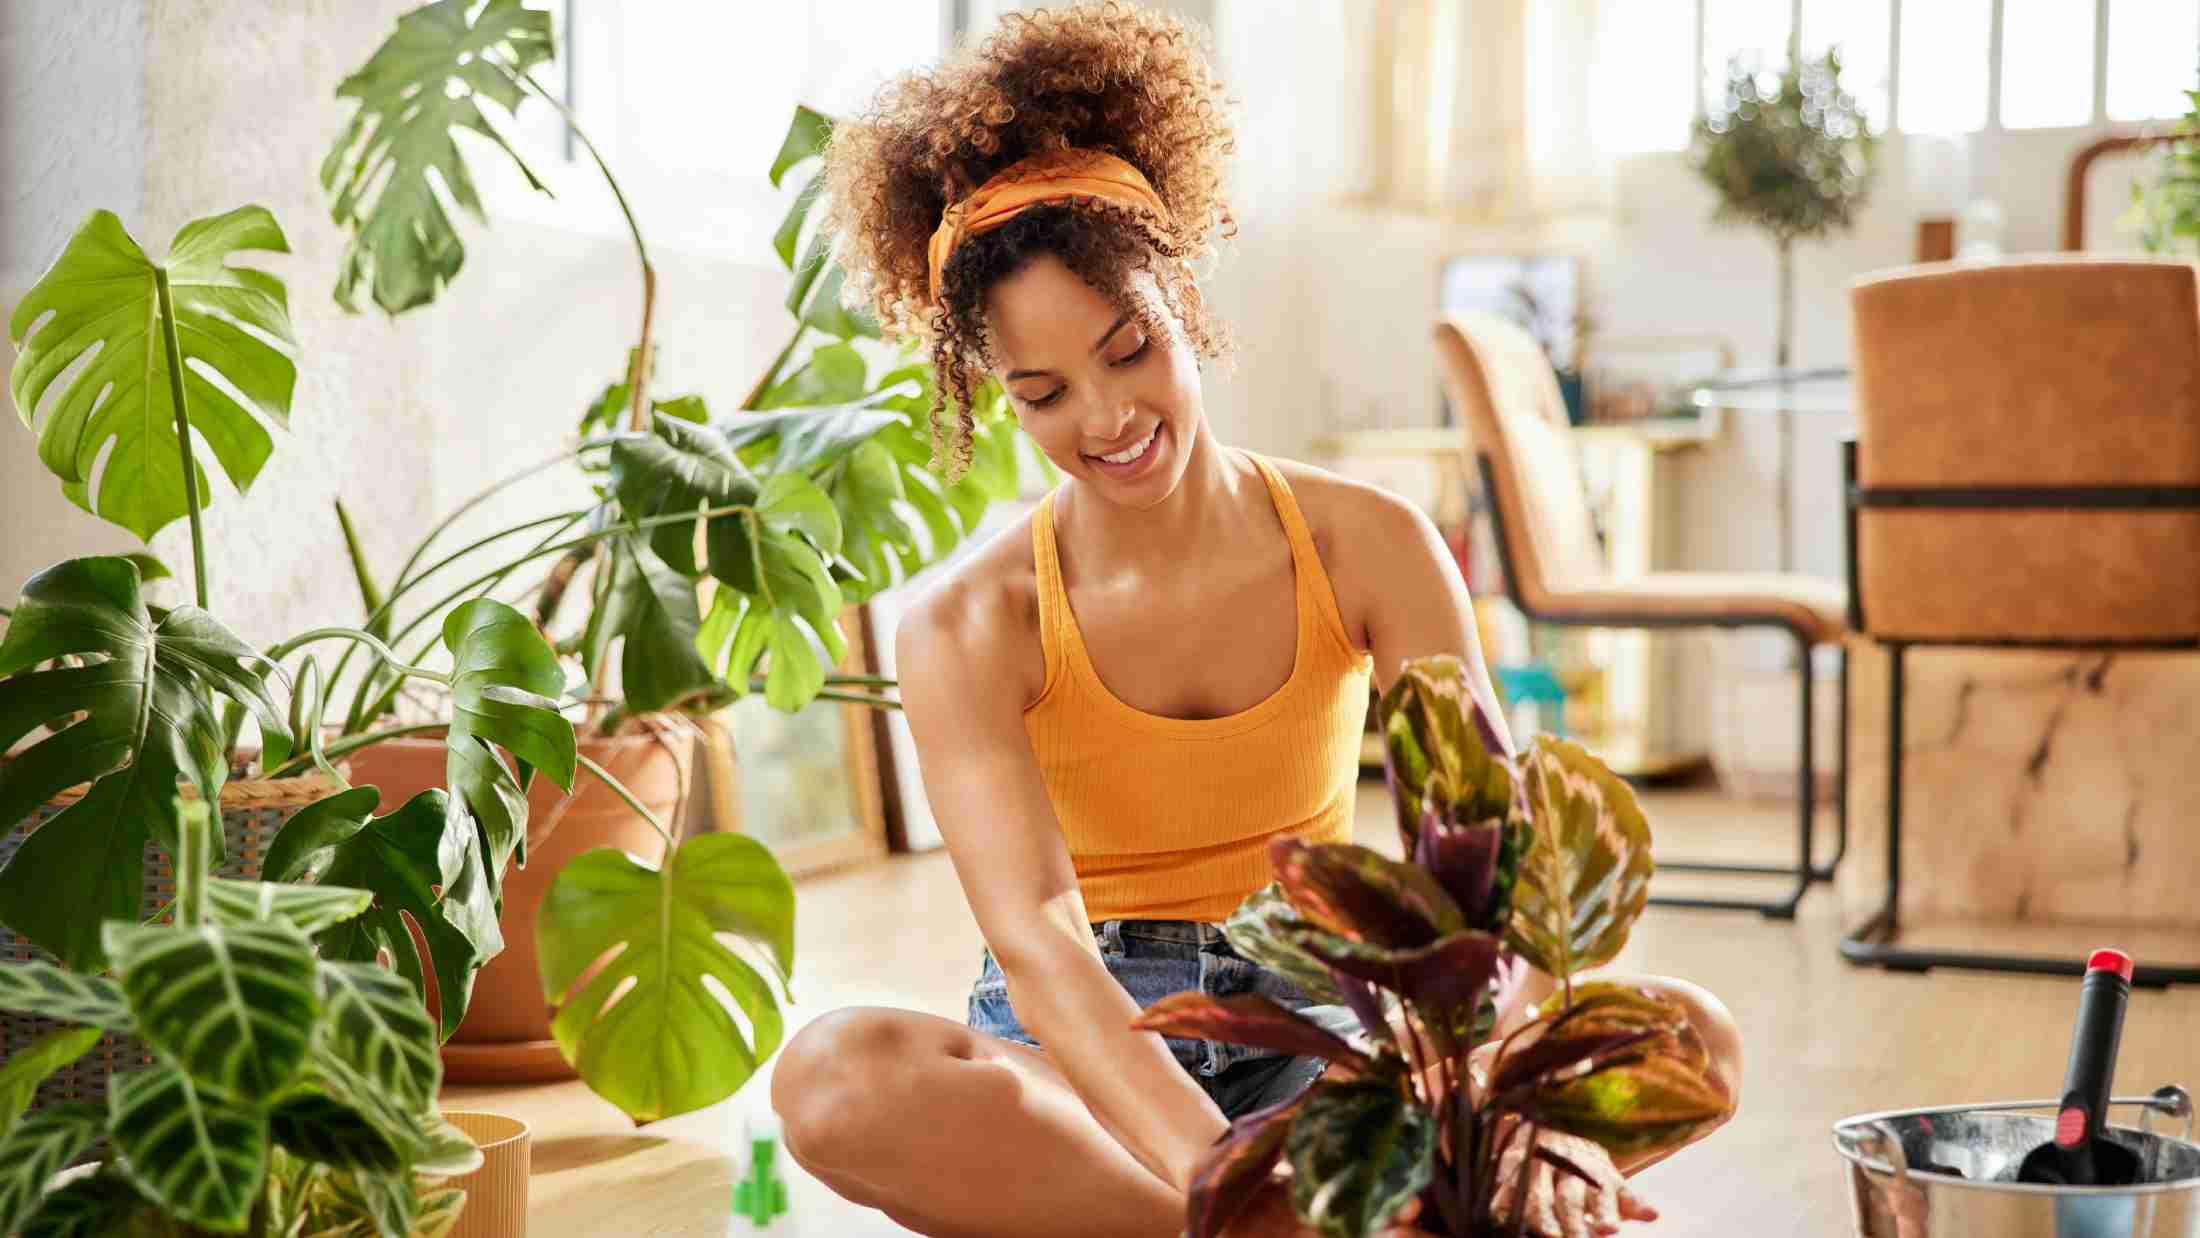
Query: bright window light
[[2046, 64], [2153, 51], [1752, 29], [1943, 87], [1861, 30], [1640, 96]]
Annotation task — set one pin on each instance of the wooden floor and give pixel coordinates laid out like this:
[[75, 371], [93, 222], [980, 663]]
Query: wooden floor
[[1824, 1040]]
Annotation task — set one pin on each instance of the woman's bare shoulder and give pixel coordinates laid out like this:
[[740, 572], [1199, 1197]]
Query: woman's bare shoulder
[[978, 620], [1342, 511]]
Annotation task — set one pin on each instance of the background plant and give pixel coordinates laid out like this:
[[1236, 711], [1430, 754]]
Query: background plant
[[286, 1087], [1795, 160], [120, 355], [2165, 204], [1542, 860], [717, 551]]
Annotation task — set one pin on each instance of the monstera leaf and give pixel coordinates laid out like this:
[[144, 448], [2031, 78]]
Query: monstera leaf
[[661, 925], [233, 1006], [504, 688], [422, 86], [37, 1148], [145, 723], [1586, 874], [1359, 1152], [401, 857], [651, 612], [200, 1157], [101, 298]]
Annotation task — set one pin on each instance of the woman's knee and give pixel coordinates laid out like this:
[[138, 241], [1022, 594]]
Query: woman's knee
[[843, 1079]]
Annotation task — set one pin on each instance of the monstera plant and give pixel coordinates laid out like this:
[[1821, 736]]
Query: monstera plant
[[286, 1087], [148, 366], [1542, 860], [717, 552]]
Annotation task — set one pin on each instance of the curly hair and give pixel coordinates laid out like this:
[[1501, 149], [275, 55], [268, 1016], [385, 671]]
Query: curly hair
[[1105, 76]]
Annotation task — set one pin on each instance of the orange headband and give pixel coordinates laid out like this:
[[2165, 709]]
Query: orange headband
[[1053, 176]]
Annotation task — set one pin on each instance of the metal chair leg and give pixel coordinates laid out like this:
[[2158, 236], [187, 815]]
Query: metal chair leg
[[1872, 943]]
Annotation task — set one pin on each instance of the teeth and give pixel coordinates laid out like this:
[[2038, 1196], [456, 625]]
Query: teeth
[[1135, 450]]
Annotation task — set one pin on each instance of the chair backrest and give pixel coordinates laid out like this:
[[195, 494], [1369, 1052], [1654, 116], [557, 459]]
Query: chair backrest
[[1498, 378], [2027, 375]]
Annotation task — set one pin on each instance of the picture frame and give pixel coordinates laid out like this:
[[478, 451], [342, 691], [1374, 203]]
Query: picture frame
[[805, 784]]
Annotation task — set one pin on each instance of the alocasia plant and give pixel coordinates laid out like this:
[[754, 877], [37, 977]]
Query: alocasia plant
[[1539, 859]]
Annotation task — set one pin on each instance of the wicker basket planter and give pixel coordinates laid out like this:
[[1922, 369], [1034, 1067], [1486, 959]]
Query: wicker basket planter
[[252, 809]]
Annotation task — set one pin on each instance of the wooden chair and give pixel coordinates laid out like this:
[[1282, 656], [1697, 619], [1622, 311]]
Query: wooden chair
[[2025, 473], [1499, 379]]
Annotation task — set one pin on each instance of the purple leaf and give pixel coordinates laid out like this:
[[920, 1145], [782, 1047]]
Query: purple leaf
[[1365, 1002], [1463, 860], [1361, 895], [1238, 1168], [1246, 1019], [1447, 975]]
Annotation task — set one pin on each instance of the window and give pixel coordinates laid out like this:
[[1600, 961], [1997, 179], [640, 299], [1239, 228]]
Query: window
[[2151, 57], [2047, 64], [1750, 32], [1642, 94], [1943, 86], [1861, 33]]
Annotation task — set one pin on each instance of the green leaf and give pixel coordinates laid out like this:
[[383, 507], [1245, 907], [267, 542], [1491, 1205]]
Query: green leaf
[[330, 1131], [1238, 1169], [1246, 1019], [149, 567], [362, 573], [304, 841], [201, 1158], [35, 1063], [1636, 1105], [789, 233], [834, 374], [72, 997], [234, 1006], [816, 257], [120, 406], [796, 674], [807, 135], [668, 1044], [145, 723], [1359, 1153], [825, 312], [808, 438], [443, 1150], [36, 1149], [792, 503], [377, 1026], [422, 86], [1586, 874], [97, 1205], [309, 908], [688, 408], [676, 468], [504, 688], [652, 610], [1262, 929], [401, 857]]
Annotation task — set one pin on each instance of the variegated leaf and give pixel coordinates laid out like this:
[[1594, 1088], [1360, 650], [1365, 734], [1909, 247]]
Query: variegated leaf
[[1586, 874], [310, 907], [1259, 928], [438, 1212], [35, 1150], [200, 1157], [1359, 1152], [330, 1130], [234, 1006], [99, 1205], [1237, 1169], [375, 1023], [443, 1150], [72, 997]]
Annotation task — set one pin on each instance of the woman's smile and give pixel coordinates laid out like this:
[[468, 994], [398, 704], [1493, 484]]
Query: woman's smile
[[1134, 459]]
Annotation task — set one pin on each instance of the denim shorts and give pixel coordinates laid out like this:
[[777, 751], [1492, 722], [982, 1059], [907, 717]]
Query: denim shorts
[[1152, 959]]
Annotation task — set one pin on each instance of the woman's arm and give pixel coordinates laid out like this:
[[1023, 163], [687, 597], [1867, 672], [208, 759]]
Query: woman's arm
[[962, 694]]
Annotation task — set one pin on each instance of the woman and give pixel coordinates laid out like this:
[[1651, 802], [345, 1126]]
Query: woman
[[1120, 701]]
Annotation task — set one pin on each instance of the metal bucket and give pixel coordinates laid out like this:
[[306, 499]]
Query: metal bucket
[[1940, 1173]]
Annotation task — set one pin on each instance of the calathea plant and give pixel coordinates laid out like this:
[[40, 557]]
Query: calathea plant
[[1541, 860], [286, 1086], [133, 362], [717, 554]]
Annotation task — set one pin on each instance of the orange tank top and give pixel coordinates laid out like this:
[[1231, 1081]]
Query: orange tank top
[[1170, 818]]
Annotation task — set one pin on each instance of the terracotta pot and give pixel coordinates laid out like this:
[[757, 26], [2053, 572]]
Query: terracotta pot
[[505, 1037]]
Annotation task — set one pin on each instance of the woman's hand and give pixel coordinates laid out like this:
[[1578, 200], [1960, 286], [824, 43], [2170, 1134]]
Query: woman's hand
[[1560, 1203]]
